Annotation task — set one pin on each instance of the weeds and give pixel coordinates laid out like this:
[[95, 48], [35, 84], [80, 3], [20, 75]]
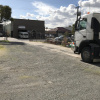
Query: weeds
[[4, 41], [1, 46]]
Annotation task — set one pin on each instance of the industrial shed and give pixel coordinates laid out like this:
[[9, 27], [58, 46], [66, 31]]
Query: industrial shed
[[30, 25]]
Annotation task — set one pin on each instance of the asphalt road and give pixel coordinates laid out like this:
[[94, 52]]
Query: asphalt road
[[36, 72]]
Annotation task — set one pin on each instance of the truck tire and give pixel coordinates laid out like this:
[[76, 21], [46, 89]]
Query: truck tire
[[85, 55]]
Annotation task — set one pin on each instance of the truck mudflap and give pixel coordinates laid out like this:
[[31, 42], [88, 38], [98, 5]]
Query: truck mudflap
[[95, 51], [76, 49]]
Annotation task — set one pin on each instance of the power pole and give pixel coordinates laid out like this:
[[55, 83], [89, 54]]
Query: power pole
[[78, 13], [0, 15]]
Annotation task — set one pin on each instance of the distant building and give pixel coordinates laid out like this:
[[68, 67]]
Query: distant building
[[69, 28], [29, 25], [58, 31]]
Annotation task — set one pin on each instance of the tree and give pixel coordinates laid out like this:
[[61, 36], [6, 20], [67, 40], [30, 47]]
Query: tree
[[5, 12], [66, 34], [69, 26]]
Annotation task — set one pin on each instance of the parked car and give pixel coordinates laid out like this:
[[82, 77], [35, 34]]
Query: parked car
[[1, 33], [72, 37], [58, 40], [49, 36]]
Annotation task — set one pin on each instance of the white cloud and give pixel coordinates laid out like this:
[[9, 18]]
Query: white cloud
[[63, 16], [55, 17], [22, 17], [89, 5], [14, 16], [27, 16], [42, 8]]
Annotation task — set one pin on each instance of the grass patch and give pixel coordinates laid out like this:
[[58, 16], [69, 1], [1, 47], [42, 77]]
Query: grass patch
[[3, 50], [4, 41], [93, 70], [1, 46]]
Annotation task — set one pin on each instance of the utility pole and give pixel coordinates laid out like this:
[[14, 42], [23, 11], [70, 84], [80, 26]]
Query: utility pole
[[78, 13], [0, 15]]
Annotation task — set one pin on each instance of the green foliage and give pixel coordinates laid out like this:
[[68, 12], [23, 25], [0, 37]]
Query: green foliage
[[11, 19], [1, 46], [4, 41], [66, 34], [70, 26], [64, 42], [5, 12]]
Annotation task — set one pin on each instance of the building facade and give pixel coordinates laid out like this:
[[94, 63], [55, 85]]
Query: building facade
[[58, 31], [36, 25]]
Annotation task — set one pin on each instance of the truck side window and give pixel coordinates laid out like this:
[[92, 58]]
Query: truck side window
[[83, 24]]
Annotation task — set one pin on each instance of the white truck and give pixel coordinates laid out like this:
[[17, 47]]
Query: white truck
[[87, 37]]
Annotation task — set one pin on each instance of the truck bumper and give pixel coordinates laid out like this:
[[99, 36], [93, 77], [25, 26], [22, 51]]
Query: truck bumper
[[76, 50]]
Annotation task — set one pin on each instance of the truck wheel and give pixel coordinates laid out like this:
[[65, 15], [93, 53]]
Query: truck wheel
[[86, 56]]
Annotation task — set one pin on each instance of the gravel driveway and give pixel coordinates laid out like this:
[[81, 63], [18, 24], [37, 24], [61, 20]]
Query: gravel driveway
[[37, 72]]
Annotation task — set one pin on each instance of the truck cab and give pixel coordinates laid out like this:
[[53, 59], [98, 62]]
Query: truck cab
[[87, 37]]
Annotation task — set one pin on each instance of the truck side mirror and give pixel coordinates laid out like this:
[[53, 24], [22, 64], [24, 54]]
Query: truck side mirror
[[76, 24]]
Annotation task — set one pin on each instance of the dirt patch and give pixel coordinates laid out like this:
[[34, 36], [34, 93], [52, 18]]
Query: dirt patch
[[3, 50]]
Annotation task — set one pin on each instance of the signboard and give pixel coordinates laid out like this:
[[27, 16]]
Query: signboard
[[22, 27]]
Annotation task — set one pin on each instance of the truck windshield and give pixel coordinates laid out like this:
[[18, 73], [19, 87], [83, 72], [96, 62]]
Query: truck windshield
[[83, 24]]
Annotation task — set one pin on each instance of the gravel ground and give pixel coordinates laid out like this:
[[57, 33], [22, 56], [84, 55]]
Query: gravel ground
[[36, 72]]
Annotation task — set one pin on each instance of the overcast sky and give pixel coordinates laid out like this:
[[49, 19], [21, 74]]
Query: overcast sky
[[55, 13]]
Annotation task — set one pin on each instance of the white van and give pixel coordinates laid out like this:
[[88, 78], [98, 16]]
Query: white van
[[23, 34]]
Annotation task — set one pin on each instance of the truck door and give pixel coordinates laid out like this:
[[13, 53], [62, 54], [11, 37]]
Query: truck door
[[95, 25], [80, 33]]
